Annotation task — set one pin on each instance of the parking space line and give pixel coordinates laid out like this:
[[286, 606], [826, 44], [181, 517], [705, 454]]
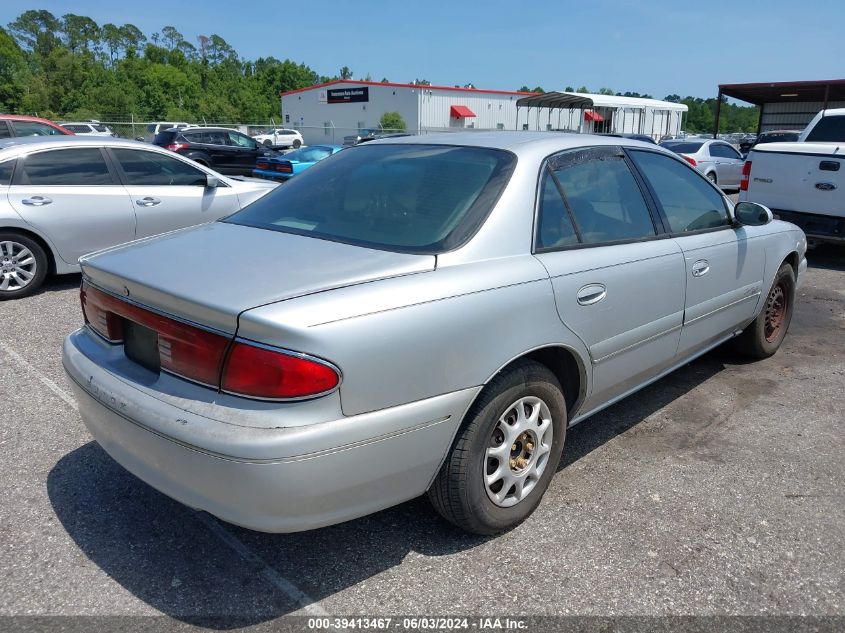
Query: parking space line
[[300, 598], [47, 382]]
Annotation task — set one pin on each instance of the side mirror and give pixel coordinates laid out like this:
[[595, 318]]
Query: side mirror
[[214, 181], [752, 214]]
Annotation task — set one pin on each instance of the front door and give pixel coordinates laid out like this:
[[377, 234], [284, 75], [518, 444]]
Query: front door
[[724, 264], [170, 193], [72, 196], [617, 286]]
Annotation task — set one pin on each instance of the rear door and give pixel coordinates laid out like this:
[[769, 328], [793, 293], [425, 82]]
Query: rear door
[[245, 151], [216, 144], [723, 263], [618, 285], [169, 193], [728, 164], [74, 197]]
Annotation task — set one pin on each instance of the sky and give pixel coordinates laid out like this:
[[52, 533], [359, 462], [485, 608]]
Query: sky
[[657, 47]]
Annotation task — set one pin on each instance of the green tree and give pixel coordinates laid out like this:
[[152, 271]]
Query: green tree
[[36, 31], [345, 73], [392, 121], [79, 32]]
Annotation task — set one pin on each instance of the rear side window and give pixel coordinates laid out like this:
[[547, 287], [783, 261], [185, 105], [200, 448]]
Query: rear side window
[[604, 199], [152, 168], [411, 198], [4, 130], [724, 151], [554, 224], [165, 138], [6, 169], [689, 202], [830, 129], [77, 129], [82, 166], [33, 128]]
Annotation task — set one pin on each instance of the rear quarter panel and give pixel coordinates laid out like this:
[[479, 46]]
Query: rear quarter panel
[[414, 337]]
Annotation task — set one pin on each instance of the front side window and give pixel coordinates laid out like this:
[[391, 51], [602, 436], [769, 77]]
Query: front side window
[[78, 166], [410, 198], [689, 202], [720, 150], [152, 168], [33, 128], [240, 140], [604, 199]]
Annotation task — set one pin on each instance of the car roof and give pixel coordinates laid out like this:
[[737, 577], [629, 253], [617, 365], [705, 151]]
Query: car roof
[[517, 142], [25, 143]]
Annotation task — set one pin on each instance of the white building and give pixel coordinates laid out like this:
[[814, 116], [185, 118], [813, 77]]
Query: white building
[[327, 112]]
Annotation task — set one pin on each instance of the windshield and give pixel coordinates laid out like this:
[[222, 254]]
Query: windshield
[[408, 198], [308, 154], [682, 147]]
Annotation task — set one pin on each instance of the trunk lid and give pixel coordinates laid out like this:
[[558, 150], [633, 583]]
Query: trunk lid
[[211, 273]]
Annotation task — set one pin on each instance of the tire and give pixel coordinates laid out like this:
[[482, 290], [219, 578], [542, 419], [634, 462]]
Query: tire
[[764, 335], [23, 265], [712, 177], [460, 492], [297, 143], [267, 143]]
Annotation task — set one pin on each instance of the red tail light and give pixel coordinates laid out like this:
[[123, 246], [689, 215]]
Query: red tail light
[[265, 373], [746, 175], [689, 159], [199, 355], [175, 147], [284, 167], [262, 165]]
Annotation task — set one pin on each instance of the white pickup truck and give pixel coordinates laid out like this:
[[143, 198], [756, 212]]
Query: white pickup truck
[[803, 182]]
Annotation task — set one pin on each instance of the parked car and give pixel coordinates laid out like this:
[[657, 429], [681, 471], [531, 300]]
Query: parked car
[[803, 181], [719, 161], [227, 151], [153, 129], [12, 125], [280, 137], [411, 316], [90, 128], [293, 163], [65, 196]]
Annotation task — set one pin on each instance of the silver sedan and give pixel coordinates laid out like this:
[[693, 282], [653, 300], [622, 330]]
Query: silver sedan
[[419, 314], [719, 161], [62, 197]]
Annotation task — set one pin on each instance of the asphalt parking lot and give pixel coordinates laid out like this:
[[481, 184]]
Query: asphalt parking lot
[[718, 490]]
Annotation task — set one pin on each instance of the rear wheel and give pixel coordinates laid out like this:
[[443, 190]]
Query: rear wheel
[[297, 143], [506, 453], [712, 177], [23, 266], [268, 142], [764, 335]]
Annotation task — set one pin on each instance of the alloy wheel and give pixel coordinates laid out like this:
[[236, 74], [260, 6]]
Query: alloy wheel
[[17, 266]]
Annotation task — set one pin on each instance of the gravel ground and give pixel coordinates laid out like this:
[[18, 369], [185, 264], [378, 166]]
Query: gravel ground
[[716, 491]]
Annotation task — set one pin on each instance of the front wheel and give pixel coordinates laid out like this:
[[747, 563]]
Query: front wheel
[[505, 454], [764, 335], [23, 266]]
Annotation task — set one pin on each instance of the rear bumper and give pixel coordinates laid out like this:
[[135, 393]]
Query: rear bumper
[[270, 175], [817, 227], [308, 477]]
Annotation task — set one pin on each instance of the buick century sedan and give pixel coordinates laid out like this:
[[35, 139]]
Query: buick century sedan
[[418, 315]]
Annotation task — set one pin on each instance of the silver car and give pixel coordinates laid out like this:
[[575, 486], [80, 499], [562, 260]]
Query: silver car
[[719, 161], [64, 196], [419, 314]]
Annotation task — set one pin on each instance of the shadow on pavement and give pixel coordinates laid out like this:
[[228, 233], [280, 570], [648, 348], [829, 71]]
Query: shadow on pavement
[[158, 550]]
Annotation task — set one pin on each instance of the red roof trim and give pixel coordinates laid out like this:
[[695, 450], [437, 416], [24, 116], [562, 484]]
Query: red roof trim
[[394, 85]]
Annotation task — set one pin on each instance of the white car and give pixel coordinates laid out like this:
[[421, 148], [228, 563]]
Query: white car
[[88, 128], [62, 197], [280, 137]]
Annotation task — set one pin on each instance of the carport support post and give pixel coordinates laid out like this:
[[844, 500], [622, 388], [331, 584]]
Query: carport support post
[[718, 114]]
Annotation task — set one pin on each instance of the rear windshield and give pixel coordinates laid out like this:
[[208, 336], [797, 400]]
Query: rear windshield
[[682, 148], [164, 138], [830, 129], [407, 198]]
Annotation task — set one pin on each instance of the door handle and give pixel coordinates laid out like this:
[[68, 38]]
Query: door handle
[[590, 294], [36, 201], [700, 268], [148, 202]]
